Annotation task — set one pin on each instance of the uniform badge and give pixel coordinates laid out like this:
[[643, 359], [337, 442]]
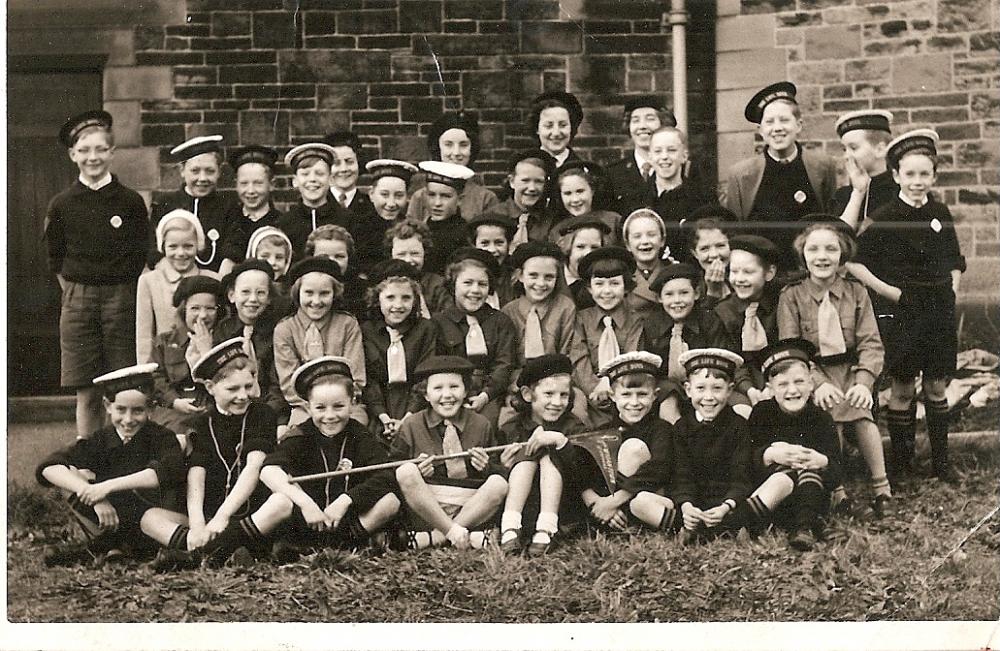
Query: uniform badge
[[936, 225], [345, 464], [799, 196], [116, 222], [213, 235]]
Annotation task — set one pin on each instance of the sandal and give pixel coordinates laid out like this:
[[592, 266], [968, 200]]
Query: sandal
[[540, 549], [512, 547]]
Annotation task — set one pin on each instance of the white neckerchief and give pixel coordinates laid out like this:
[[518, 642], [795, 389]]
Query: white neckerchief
[[103, 181], [909, 202]]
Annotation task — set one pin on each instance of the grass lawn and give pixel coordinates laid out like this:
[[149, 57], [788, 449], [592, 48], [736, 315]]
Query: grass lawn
[[866, 571]]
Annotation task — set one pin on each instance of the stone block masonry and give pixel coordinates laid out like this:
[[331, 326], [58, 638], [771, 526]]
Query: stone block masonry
[[932, 63], [270, 72]]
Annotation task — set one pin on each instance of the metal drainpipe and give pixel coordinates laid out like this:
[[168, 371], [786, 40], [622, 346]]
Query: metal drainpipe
[[678, 19]]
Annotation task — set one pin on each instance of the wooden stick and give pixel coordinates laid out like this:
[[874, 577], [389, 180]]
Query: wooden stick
[[395, 464]]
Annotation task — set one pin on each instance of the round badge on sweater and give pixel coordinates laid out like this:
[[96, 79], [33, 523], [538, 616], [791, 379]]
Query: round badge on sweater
[[799, 196], [116, 221], [936, 225], [345, 464], [213, 235]]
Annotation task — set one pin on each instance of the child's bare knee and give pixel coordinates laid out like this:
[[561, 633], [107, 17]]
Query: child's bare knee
[[280, 505], [494, 488], [935, 389], [408, 476], [633, 452]]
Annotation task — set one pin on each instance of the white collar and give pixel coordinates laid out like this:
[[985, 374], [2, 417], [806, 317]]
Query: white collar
[[795, 154], [561, 158], [909, 202], [569, 276], [122, 438], [640, 161], [660, 189], [104, 180], [701, 419], [348, 196]]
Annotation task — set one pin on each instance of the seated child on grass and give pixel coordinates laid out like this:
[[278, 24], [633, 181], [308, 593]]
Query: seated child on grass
[[544, 421], [229, 444], [114, 477], [795, 451], [336, 512], [602, 493], [711, 452], [456, 495]]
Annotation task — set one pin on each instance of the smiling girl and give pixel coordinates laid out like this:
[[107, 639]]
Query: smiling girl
[[316, 329], [578, 192], [179, 238], [644, 235], [474, 330], [396, 339], [836, 316]]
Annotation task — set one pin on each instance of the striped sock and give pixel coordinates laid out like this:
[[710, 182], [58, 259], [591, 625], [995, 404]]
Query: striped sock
[[251, 535], [809, 498], [670, 521], [900, 423], [178, 540], [748, 513]]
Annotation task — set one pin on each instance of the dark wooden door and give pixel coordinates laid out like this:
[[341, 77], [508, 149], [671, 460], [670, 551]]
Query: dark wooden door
[[38, 168]]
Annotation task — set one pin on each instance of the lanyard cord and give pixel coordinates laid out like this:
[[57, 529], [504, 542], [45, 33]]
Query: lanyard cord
[[326, 468], [237, 464]]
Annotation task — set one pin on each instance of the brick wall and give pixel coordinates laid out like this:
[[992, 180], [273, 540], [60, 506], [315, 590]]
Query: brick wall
[[931, 62], [257, 72]]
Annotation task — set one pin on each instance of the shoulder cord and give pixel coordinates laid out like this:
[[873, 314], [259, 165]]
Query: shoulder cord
[[237, 464]]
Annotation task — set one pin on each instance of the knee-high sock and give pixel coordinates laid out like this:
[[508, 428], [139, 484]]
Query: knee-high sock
[[749, 513], [901, 424], [808, 498], [239, 533], [937, 431], [671, 519], [178, 539]]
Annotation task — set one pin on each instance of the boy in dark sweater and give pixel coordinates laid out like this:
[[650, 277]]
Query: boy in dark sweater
[[97, 236], [115, 476], [200, 160], [795, 449], [910, 260]]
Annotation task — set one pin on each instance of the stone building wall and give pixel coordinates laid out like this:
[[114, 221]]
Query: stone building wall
[[258, 72], [931, 62]]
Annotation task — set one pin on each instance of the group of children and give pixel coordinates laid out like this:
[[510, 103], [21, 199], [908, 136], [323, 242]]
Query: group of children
[[599, 349]]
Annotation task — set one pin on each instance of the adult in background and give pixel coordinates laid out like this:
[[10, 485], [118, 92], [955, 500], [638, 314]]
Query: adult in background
[[628, 179], [454, 138]]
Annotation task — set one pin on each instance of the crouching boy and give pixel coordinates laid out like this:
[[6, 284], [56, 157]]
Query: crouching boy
[[458, 494], [114, 477], [795, 450]]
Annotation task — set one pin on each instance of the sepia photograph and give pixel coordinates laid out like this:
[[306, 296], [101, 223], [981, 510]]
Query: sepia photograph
[[680, 314]]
